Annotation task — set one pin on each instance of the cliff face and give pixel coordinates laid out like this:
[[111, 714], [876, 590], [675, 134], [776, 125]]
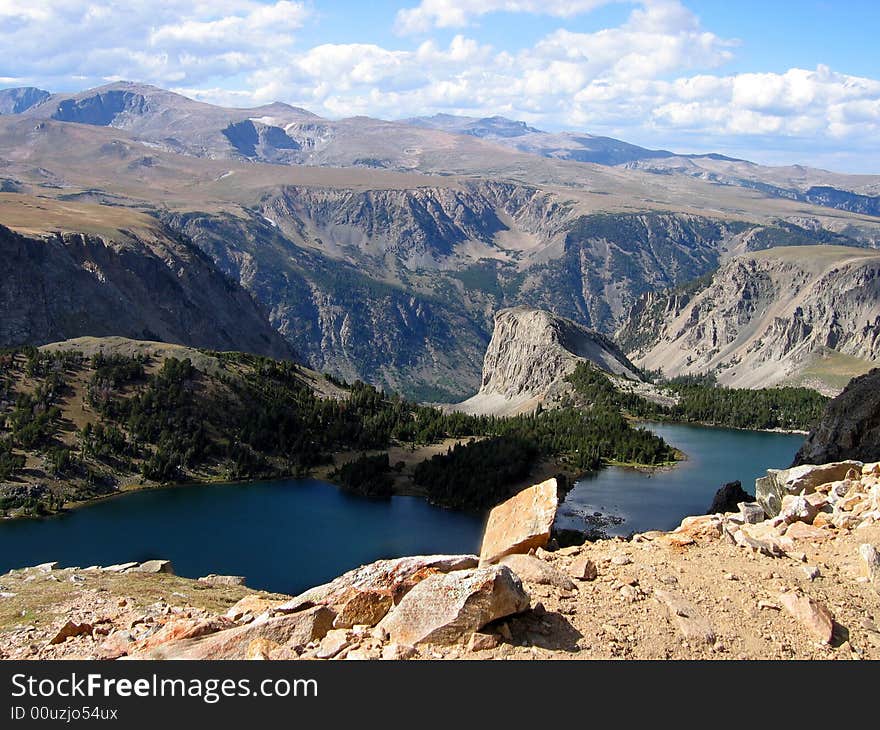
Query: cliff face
[[530, 354], [145, 286], [805, 314], [850, 427]]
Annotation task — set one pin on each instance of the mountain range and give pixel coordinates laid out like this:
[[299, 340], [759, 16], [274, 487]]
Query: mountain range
[[371, 249]]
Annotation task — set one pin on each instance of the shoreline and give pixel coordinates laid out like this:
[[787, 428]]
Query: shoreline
[[403, 485]]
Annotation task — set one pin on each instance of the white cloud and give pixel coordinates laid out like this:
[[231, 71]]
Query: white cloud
[[656, 79], [57, 40], [458, 13]]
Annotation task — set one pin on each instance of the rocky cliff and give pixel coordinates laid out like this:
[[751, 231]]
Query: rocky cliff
[[808, 315], [146, 285], [530, 354], [850, 427]]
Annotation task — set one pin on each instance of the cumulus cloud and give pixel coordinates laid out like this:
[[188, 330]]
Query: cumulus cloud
[[656, 79], [459, 13], [172, 41]]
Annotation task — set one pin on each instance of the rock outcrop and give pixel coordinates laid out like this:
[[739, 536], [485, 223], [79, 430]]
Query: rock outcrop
[[520, 524], [445, 608], [805, 315], [530, 354], [850, 426], [771, 490]]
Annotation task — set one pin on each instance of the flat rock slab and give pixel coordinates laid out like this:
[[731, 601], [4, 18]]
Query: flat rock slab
[[447, 609], [814, 616], [694, 626], [154, 566], [520, 524], [293, 630]]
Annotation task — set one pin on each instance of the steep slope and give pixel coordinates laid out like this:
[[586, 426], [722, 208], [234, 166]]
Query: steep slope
[[16, 101], [786, 315], [850, 427], [530, 354], [142, 282]]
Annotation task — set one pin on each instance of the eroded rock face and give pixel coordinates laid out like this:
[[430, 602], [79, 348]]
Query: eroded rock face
[[520, 524], [850, 427], [530, 354], [772, 489], [447, 609], [764, 318]]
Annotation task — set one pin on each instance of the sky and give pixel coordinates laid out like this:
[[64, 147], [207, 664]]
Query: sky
[[774, 81]]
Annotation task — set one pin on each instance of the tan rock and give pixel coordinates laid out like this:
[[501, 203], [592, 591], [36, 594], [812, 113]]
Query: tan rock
[[293, 631], [534, 570], [823, 519], [583, 569], [261, 649], [222, 580], [694, 626], [185, 628], [71, 629], [446, 609], [364, 595], [814, 616], [398, 652], [871, 468], [482, 642], [871, 562], [770, 490], [333, 643], [700, 528], [154, 566], [797, 508], [803, 531], [521, 523], [252, 605]]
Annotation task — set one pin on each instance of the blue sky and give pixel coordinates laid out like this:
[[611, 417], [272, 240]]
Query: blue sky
[[776, 82]]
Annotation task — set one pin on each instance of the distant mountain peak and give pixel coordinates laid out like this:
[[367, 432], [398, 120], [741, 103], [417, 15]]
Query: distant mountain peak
[[18, 100]]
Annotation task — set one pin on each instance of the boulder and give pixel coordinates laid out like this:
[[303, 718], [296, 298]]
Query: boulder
[[292, 631], [222, 581], [448, 608], [366, 594], [154, 566], [69, 630], [728, 497], [803, 531], [796, 508], [252, 605], [583, 568], [534, 570], [751, 512], [804, 479], [814, 616], [185, 628], [520, 524]]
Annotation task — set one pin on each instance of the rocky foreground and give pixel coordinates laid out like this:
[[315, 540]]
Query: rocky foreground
[[795, 575]]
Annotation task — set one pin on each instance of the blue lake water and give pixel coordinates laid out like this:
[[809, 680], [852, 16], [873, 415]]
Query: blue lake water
[[282, 536], [658, 500], [289, 535]]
